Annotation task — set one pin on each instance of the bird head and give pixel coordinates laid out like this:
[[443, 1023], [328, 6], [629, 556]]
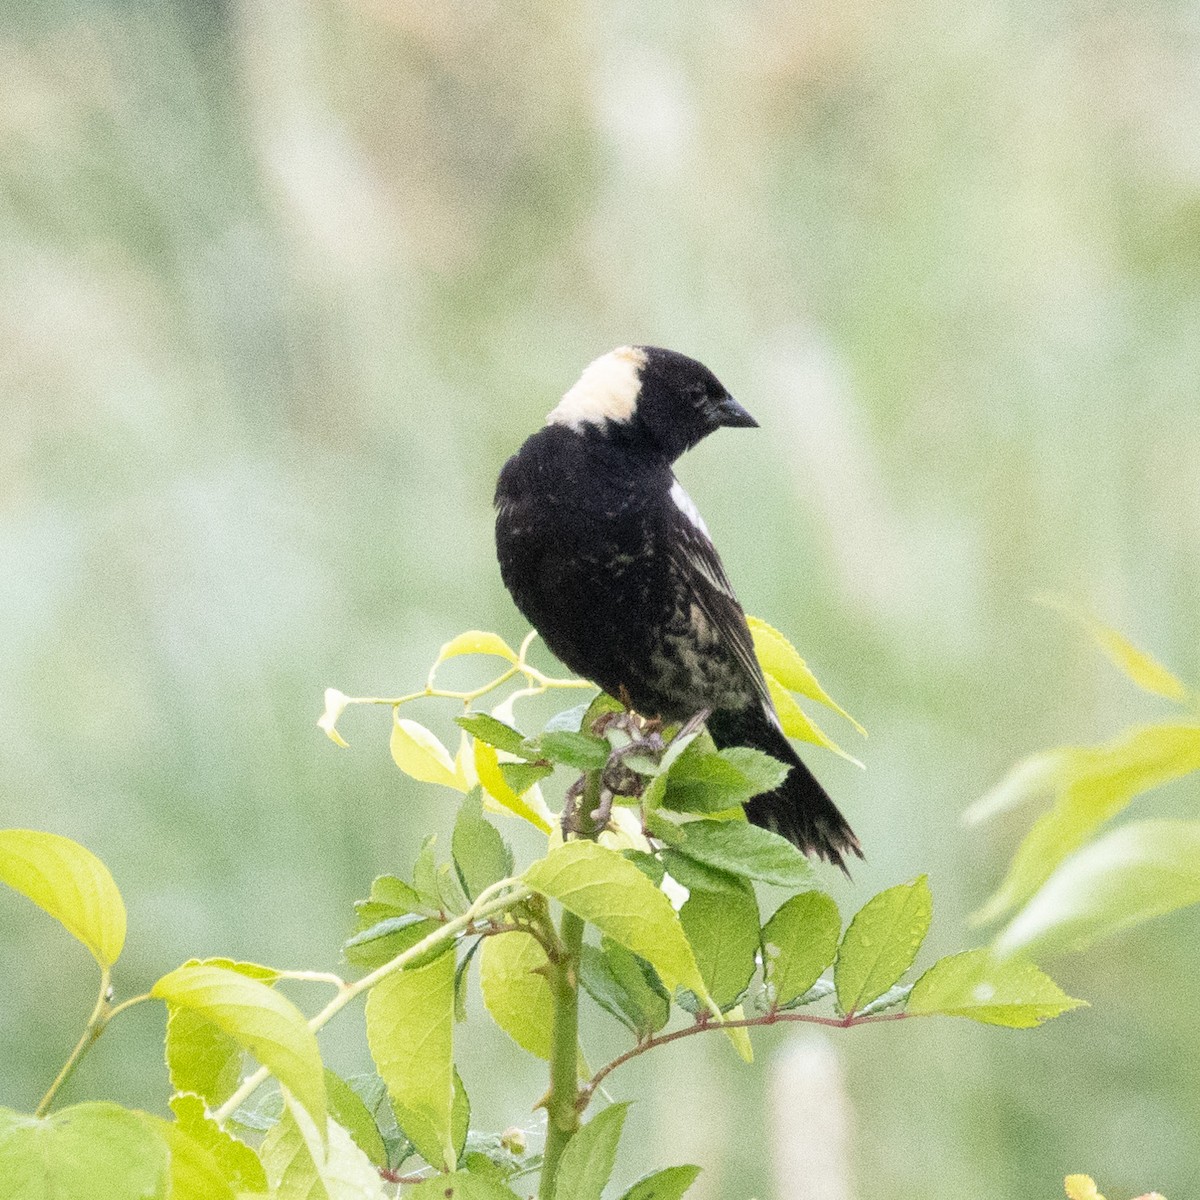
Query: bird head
[[665, 400]]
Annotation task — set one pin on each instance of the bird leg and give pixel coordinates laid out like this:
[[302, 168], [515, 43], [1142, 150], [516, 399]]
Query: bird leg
[[603, 811], [570, 812]]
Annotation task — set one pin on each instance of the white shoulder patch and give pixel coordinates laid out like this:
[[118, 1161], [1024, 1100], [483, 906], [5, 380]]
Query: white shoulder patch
[[687, 506], [606, 391]]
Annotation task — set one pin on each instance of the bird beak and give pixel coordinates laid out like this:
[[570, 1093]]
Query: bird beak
[[730, 412]]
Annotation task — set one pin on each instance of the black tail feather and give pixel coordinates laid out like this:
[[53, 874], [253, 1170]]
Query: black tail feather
[[799, 809]]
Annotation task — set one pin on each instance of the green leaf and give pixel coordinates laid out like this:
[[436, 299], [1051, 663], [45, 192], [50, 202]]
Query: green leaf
[[390, 897], [419, 754], [722, 928], [695, 876], [479, 851], [485, 728], [424, 1137], [410, 1029], [583, 751], [521, 776], [625, 986], [267, 1024], [451, 892], [893, 997], [425, 880], [588, 1160], [193, 1173], [1096, 783], [519, 1000], [1132, 874], [706, 782], [1142, 668], [669, 1184], [1013, 993], [881, 943], [746, 850], [346, 1107], [238, 1164], [70, 883], [818, 991], [476, 641], [299, 1168], [799, 943], [99, 1149], [607, 890], [779, 658], [461, 1185], [382, 942], [570, 720]]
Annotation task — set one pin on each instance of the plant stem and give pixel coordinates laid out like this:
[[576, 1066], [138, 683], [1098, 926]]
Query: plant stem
[[92, 1030], [487, 903], [562, 1103]]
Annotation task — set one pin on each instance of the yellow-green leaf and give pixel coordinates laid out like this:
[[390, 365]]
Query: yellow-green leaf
[[1142, 668], [476, 641], [239, 1165], [460, 1185], [798, 724], [778, 657], [335, 705], [300, 1167], [607, 890], [419, 1129], [799, 943], [518, 999], [487, 767], [881, 943], [418, 753], [267, 1024], [1138, 871], [88, 1150], [70, 883], [1095, 784], [1032, 778], [194, 1173], [1013, 993], [410, 1031]]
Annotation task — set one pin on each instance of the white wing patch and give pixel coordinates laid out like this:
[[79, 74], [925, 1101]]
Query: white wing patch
[[606, 391], [687, 506]]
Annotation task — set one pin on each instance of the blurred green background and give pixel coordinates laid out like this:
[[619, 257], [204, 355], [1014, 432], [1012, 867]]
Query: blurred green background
[[283, 283]]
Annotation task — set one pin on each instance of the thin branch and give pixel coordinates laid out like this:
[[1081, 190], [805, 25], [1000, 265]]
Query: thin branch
[[707, 1024], [488, 902], [314, 977]]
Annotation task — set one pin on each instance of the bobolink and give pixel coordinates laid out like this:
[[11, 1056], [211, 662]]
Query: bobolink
[[607, 557]]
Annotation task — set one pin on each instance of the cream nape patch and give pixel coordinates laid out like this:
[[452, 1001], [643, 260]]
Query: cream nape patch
[[687, 506], [606, 391]]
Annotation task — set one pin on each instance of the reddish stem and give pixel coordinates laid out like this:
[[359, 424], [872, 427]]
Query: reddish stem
[[705, 1024]]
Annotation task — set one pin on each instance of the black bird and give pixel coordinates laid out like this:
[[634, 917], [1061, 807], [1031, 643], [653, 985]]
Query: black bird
[[607, 557]]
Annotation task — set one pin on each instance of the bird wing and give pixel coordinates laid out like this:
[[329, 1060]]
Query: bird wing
[[699, 567]]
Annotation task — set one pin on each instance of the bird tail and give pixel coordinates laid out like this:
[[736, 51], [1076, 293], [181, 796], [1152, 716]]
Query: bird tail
[[799, 808]]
